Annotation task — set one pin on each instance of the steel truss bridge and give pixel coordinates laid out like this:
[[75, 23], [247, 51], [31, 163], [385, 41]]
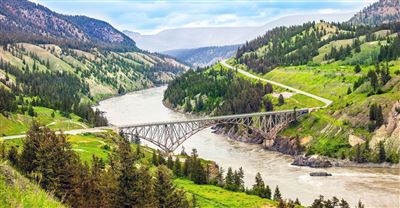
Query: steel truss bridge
[[169, 135]]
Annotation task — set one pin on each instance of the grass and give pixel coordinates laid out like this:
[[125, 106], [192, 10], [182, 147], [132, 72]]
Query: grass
[[213, 196], [16, 123], [18, 191]]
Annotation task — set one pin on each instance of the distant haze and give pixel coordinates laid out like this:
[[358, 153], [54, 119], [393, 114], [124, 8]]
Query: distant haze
[[186, 38]]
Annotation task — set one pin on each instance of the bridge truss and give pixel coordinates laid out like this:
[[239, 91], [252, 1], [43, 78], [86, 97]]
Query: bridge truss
[[170, 135]]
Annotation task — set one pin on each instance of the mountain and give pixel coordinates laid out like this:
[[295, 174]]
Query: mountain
[[24, 21], [51, 62], [383, 11], [184, 38], [205, 56]]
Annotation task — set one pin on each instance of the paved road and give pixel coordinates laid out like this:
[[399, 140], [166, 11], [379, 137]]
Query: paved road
[[248, 74], [71, 132]]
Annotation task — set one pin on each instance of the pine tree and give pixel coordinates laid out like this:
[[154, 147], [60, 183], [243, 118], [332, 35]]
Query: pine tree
[[170, 162], [166, 193], [229, 180], [154, 158], [259, 188], [357, 69], [238, 179], [177, 167], [127, 175], [277, 194], [12, 155], [281, 100]]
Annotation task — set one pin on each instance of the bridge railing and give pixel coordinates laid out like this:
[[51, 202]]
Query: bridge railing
[[300, 111]]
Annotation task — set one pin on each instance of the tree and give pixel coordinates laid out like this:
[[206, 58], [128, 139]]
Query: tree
[[268, 105], [357, 69], [31, 112], [12, 155], [259, 188], [170, 162], [238, 179], [381, 151], [229, 180], [281, 100], [277, 194], [166, 193], [349, 91], [177, 167], [154, 158]]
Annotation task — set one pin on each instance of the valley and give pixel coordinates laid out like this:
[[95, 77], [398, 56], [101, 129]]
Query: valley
[[221, 111]]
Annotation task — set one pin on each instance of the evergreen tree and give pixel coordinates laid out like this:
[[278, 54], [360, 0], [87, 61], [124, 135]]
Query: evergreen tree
[[357, 69], [177, 167], [277, 194], [238, 179], [229, 180], [281, 100], [154, 158], [12, 155], [166, 193], [259, 188], [170, 162]]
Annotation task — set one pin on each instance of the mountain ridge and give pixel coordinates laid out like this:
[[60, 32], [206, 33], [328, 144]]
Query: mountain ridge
[[25, 21]]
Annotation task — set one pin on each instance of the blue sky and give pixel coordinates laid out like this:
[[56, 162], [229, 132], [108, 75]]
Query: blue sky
[[148, 16]]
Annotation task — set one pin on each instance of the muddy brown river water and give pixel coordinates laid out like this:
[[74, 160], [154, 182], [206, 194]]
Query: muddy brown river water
[[375, 187]]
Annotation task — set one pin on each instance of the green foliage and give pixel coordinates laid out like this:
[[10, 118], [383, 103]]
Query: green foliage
[[18, 191], [216, 84]]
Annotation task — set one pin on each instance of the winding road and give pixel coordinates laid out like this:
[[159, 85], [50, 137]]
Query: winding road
[[248, 74], [223, 62]]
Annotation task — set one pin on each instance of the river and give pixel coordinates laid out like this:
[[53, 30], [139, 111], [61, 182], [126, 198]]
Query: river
[[375, 187]]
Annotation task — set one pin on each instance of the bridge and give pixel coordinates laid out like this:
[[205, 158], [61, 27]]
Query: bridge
[[169, 135]]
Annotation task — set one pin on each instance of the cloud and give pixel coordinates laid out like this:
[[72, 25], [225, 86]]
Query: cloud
[[149, 16]]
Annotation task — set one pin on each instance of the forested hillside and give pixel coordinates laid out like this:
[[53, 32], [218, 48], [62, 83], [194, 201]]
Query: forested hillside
[[25, 21], [54, 67], [357, 67]]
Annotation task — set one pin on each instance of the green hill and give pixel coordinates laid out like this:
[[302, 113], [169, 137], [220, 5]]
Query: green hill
[[357, 67], [18, 191]]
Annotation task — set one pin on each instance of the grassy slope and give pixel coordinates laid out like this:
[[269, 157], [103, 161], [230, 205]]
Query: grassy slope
[[213, 196], [207, 195], [19, 124], [18, 191]]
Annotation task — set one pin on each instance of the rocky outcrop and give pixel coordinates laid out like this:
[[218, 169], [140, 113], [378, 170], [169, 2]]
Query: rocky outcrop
[[314, 161], [238, 135], [286, 145], [320, 174], [390, 132]]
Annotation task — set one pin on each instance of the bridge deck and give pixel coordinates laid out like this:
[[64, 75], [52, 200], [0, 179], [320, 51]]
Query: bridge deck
[[214, 118]]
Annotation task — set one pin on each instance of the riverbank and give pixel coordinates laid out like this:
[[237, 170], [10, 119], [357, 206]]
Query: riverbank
[[375, 187]]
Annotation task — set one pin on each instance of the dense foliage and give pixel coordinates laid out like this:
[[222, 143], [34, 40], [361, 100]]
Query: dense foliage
[[48, 159], [58, 90], [297, 45], [216, 90]]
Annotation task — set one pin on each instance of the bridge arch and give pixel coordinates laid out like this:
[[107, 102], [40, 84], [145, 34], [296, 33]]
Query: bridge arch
[[168, 136]]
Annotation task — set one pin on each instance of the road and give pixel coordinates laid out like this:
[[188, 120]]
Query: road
[[70, 132], [248, 74]]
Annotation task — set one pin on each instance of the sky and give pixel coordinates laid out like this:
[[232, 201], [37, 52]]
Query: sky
[[150, 16]]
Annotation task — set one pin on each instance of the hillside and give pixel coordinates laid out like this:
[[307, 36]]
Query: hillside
[[383, 11], [54, 67], [201, 57], [24, 21], [18, 191], [355, 67]]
